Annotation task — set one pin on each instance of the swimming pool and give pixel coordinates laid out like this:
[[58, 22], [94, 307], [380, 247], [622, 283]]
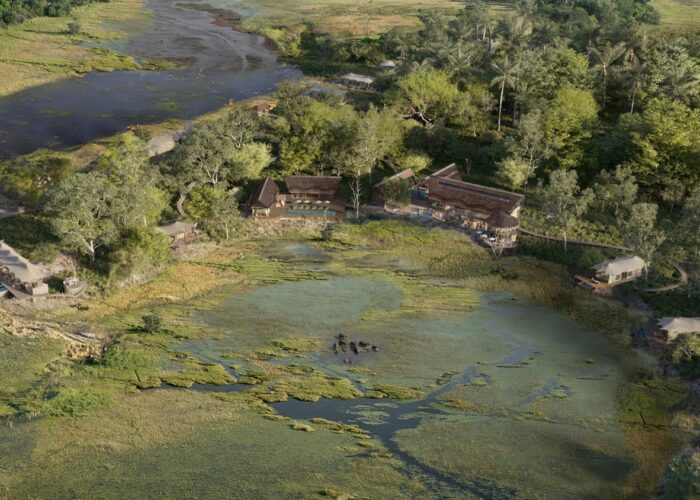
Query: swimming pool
[[317, 213]]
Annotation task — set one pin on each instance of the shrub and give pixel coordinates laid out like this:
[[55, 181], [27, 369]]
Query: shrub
[[151, 323], [683, 477], [74, 27]]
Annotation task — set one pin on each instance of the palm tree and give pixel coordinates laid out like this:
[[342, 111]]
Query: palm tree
[[459, 57], [603, 59], [680, 83], [505, 76], [516, 33], [635, 74]]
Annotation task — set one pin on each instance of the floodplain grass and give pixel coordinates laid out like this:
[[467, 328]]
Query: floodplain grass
[[340, 17], [678, 16], [41, 50]]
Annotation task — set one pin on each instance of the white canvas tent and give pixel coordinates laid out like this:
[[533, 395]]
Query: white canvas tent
[[620, 270], [679, 326]]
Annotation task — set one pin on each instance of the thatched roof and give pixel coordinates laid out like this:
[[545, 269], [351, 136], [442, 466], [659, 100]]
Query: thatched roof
[[401, 176], [176, 228], [265, 194], [473, 197], [312, 184], [355, 78], [325, 89], [450, 171], [387, 65], [265, 106], [502, 220], [20, 267], [620, 265]]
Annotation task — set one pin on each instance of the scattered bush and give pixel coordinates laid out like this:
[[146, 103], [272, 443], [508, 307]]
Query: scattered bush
[[151, 323]]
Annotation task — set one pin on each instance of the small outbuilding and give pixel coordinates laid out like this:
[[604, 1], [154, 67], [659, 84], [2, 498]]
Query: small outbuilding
[[323, 91], [20, 276], [356, 81], [620, 270], [673, 327], [264, 108], [387, 65], [179, 230]]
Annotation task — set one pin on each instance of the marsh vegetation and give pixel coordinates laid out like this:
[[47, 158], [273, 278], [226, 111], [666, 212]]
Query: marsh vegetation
[[240, 375]]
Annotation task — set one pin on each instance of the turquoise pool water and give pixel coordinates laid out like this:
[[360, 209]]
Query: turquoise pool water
[[318, 213]]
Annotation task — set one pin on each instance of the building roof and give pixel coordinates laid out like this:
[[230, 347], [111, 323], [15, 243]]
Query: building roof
[[387, 64], [400, 176], [312, 184], [677, 326], [502, 220], [175, 228], [472, 197], [265, 194], [620, 265], [265, 106], [23, 270], [325, 89], [354, 77], [450, 171]]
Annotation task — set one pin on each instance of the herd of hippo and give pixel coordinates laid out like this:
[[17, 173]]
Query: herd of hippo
[[341, 344]]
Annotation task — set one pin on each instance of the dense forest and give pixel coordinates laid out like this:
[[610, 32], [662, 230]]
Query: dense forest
[[18, 11]]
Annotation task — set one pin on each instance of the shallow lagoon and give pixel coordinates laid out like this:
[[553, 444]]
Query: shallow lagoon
[[483, 395], [517, 399]]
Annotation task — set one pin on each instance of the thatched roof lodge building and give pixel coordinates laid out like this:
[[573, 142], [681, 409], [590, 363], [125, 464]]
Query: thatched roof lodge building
[[179, 230], [469, 205], [362, 82], [621, 270], [19, 275], [379, 190], [264, 108], [673, 327], [322, 91], [307, 196]]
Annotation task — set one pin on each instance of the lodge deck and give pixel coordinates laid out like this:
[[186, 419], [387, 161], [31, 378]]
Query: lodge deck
[[334, 210], [593, 285]]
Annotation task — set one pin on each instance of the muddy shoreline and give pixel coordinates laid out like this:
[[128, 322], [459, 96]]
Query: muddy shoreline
[[227, 18]]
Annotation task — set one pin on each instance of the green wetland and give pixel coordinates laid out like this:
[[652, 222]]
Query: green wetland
[[452, 388]]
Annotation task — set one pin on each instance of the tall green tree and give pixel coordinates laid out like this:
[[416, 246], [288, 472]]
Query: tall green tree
[[506, 76], [564, 202], [425, 94], [617, 189], [602, 59], [81, 208], [514, 172], [641, 233], [569, 121]]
